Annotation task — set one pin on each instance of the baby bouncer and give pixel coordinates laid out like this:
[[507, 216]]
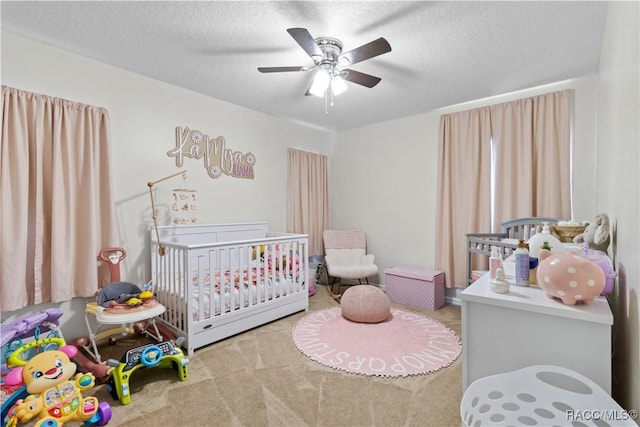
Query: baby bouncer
[[121, 307]]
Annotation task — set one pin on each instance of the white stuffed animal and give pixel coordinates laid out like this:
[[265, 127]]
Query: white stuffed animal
[[596, 234]]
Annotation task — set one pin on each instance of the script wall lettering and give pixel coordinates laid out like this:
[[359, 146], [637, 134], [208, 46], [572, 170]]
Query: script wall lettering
[[218, 159]]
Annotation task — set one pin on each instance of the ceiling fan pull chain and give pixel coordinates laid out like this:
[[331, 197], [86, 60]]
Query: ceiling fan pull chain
[[326, 102]]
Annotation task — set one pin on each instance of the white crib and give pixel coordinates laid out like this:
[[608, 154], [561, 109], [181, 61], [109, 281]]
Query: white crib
[[217, 280]]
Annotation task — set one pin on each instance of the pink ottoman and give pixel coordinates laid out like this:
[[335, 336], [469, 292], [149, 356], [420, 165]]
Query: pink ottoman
[[365, 304]]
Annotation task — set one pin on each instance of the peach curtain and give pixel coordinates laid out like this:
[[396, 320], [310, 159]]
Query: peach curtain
[[307, 197], [532, 145], [530, 142], [464, 188], [56, 204]]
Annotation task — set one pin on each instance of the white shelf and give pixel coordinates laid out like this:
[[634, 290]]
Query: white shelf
[[534, 299]]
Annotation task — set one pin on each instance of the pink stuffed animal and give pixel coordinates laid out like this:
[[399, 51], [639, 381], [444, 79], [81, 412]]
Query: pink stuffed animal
[[286, 258]]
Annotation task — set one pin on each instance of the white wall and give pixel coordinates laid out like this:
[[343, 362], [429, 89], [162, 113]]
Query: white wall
[[383, 178], [144, 114], [619, 185]]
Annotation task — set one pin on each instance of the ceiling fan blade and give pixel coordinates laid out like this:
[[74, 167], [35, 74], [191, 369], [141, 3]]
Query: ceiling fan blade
[[361, 78], [306, 41], [366, 51], [281, 69]]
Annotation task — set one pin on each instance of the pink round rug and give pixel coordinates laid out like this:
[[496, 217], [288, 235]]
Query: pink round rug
[[405, 344]]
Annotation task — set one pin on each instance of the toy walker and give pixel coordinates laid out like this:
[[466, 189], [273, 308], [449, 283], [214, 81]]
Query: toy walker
[[120, 319], [44, 380], [17, 340], [163, 355]]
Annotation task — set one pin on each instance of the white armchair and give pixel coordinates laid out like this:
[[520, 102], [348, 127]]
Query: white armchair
[[346, 256]]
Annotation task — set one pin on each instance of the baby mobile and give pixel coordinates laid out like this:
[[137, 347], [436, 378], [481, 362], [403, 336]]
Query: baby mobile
[[184, 206]]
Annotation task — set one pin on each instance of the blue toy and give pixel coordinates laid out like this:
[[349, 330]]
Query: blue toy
[[163, 355]]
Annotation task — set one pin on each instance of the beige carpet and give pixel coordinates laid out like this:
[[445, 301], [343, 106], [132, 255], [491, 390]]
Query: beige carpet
[[259, 378]]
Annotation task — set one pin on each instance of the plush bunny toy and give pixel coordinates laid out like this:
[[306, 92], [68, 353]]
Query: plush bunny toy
[[596, 234]]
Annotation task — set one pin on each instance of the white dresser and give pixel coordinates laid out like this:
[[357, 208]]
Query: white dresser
[[505, 332]]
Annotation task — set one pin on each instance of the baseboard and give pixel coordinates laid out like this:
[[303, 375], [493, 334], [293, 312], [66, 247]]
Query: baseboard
[[452, 300]]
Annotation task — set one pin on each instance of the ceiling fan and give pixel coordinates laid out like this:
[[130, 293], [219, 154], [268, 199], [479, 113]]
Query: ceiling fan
[[330, 62]]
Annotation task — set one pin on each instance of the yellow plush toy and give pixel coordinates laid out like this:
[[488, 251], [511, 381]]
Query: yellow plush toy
[[55, 393], [258, 250]]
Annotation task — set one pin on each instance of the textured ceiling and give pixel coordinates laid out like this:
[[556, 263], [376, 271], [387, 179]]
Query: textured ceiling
[[443, 53]]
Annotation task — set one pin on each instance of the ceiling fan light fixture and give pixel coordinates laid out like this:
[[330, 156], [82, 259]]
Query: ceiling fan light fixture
[[338, 85], [330, 63], [320, 83]]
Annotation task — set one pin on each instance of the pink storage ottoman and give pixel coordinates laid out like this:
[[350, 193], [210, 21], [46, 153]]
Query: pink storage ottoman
[[417, 287]]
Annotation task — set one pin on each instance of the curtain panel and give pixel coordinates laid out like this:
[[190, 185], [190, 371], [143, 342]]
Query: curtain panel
[[464, 187], [56, 199], [307, 204], [532, 146], [526, 145]]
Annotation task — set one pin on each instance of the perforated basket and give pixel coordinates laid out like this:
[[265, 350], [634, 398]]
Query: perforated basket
[[540, 395]]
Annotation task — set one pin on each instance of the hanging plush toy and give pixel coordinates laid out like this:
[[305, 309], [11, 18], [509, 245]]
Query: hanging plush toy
[[54, 392]]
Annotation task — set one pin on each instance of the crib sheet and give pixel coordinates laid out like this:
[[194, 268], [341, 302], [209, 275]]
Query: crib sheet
[[232, 290]]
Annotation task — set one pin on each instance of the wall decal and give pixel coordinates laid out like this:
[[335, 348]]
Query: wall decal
[[184, 206], [218, 159]]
